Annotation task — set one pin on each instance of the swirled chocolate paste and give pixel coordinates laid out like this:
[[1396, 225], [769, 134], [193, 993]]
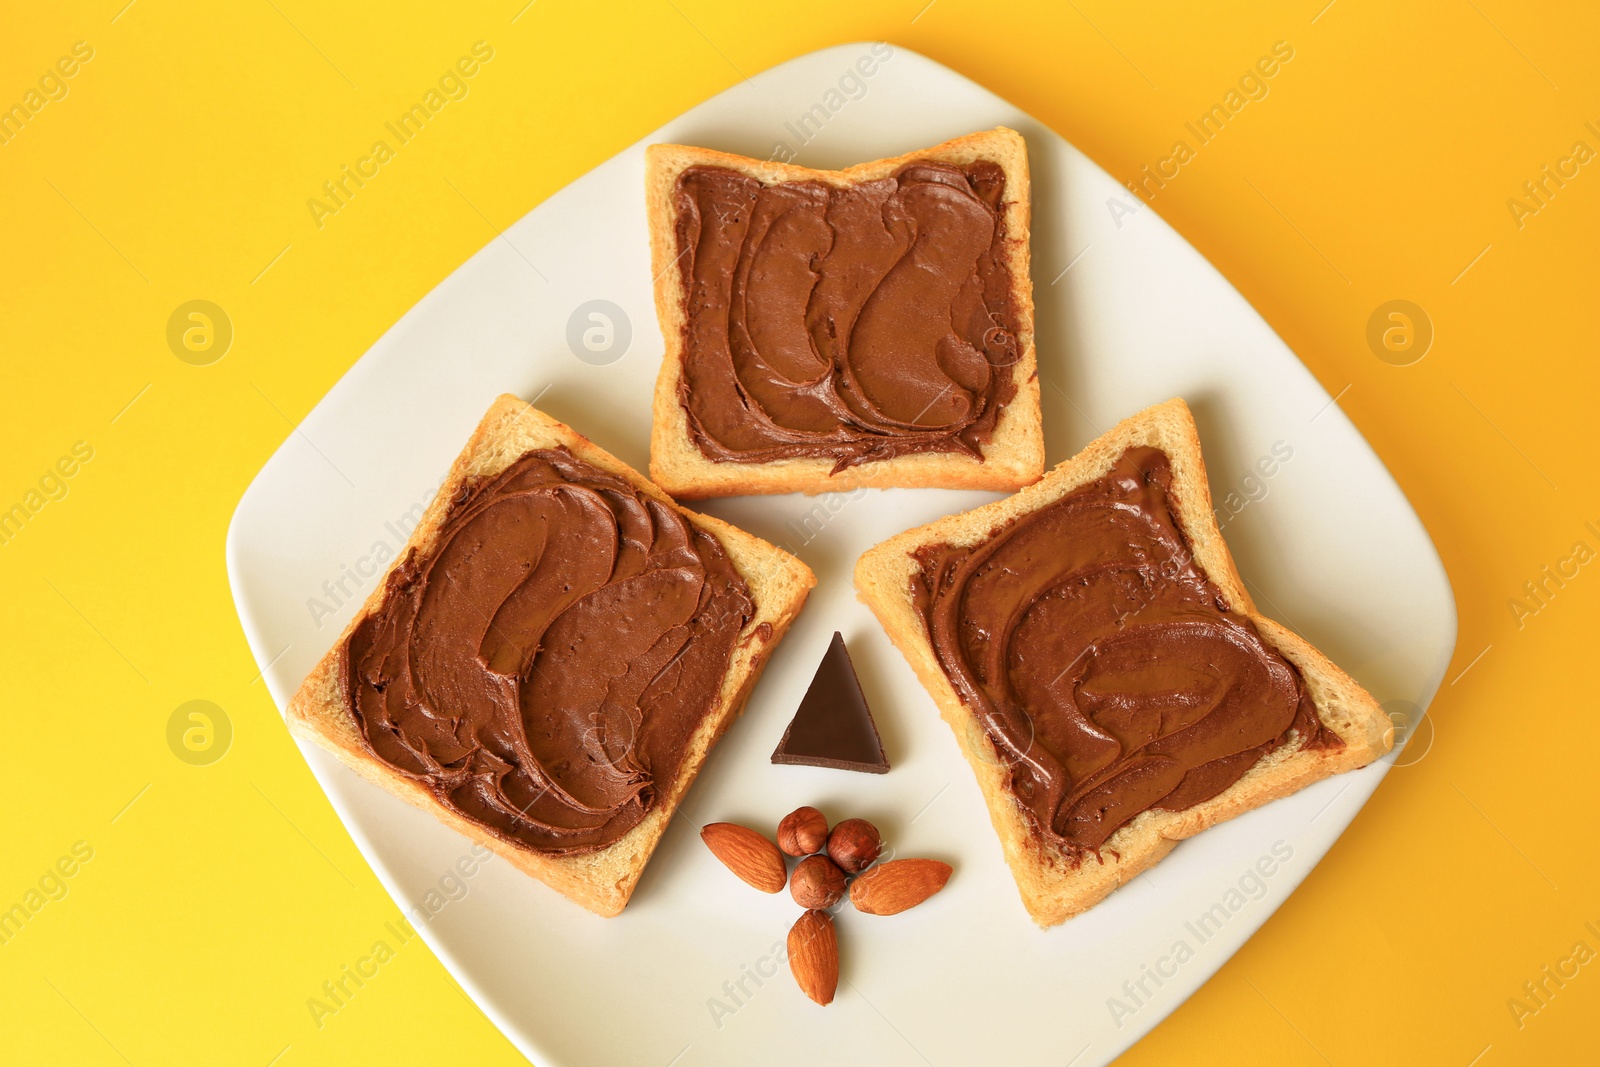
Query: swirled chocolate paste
[[853, 324], [1111, 674], [542, 669]]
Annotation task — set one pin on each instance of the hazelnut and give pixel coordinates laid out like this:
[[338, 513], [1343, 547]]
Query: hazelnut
[[803, 831], [817, 883], [854, 844]]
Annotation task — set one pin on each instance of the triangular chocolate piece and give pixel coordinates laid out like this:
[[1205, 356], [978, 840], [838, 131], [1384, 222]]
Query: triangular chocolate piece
[[833, 726]]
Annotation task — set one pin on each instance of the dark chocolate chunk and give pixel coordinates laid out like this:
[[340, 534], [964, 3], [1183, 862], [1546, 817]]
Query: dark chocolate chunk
[[833, 726]]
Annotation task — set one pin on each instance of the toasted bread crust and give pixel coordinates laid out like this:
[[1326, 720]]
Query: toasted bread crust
[[601, 881], [1053, 886], [1012, 458]]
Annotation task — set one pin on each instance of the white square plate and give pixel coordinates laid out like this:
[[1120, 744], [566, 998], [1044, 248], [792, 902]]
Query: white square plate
[[1128, 315]]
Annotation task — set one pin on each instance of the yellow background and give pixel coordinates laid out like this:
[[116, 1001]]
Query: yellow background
[[178, 167]]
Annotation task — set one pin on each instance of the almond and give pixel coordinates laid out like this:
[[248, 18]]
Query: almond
[[747, 854], [814, 955], [892, 887]]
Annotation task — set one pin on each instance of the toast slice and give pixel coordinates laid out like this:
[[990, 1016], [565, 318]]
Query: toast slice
[[1011, 453], [1058, 882], [601, 879]]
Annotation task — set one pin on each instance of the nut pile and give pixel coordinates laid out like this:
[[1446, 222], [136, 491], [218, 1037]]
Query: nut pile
[[830, 862]]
